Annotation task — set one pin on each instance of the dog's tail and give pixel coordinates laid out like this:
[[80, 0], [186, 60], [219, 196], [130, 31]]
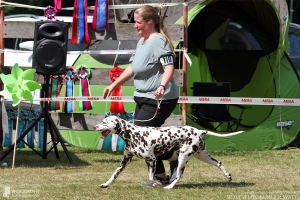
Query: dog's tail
[[223, 135]]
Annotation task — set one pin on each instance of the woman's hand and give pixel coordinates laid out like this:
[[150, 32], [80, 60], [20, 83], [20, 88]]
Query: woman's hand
[[125, 76], [107, 91], [159, 93]]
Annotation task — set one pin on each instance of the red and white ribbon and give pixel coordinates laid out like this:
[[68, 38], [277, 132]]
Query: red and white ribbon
[[188, 99]]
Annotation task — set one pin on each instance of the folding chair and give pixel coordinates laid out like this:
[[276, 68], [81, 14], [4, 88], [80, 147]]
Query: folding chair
[[202, 113]]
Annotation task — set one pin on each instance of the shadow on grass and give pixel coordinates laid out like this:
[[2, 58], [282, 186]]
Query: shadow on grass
[[215, 184], [28, 157], [81, 157]]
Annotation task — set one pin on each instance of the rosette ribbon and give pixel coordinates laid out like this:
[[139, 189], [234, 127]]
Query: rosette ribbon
[[100, 16], [55, 84], [69, 78], [83, 74], [80, 32], [50, 13], [116, 107], [57, 5]]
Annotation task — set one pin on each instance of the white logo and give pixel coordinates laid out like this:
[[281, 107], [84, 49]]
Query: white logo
[[288, 124], [20, 192], [48, 65], [166, 60], [6, 192]]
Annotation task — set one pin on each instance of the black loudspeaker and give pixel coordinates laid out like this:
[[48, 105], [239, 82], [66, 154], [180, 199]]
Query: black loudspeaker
[[50, 47]]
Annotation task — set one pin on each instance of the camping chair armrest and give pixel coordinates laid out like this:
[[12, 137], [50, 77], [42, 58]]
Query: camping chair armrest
[[241, 107]]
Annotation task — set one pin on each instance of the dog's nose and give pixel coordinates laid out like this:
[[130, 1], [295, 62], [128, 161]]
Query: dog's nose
[[94, 127]]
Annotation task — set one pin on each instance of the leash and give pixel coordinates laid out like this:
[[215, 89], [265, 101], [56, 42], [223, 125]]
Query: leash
[[156, 111]]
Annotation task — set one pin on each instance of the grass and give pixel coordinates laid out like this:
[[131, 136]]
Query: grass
[[270, 174]]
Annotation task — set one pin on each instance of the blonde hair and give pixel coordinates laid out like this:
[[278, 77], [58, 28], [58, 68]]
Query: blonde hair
[[148, 13]]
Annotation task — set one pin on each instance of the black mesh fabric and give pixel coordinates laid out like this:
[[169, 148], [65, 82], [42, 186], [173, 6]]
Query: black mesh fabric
[[258, 17], [235, 66]]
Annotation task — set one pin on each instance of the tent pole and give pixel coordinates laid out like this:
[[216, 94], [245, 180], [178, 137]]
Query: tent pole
[[291, 11], [184, 61], [1, 67]]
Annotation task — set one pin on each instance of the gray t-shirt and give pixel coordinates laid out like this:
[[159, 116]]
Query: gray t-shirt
[[147, 69]]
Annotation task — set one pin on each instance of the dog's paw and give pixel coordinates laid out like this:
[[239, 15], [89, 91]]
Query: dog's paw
[[103, 186], [229, 177], [168, 187]]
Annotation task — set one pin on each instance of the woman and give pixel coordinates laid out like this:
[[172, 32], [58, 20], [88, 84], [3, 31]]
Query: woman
[[156, 93]]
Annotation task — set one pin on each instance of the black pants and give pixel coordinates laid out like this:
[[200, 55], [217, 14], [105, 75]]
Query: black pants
[[145, 109]]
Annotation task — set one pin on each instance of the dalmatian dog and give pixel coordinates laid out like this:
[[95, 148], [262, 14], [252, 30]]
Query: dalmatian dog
[[149, 142]]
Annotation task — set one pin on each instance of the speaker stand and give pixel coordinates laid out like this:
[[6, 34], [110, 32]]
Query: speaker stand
[[48, 122]]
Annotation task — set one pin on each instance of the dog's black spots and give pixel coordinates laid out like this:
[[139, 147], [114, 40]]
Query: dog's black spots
[[145, 144], [202, 146], [127, 143], [190, 154], [195, 148], [126, 136], [192, 131], [146, 133], [139, 154], [182, 170], [153, 142], [188, 141]]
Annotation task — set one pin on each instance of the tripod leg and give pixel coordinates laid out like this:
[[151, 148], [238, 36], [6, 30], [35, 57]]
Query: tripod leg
[[53, 138], [60, 139], [22, 137], [45, 134]]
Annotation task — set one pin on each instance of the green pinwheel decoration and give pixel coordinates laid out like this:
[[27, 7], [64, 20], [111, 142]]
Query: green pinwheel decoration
[[19, 84]]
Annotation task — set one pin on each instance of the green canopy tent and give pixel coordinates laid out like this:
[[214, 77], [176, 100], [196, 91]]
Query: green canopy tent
[[245, 43], [241, 42]]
